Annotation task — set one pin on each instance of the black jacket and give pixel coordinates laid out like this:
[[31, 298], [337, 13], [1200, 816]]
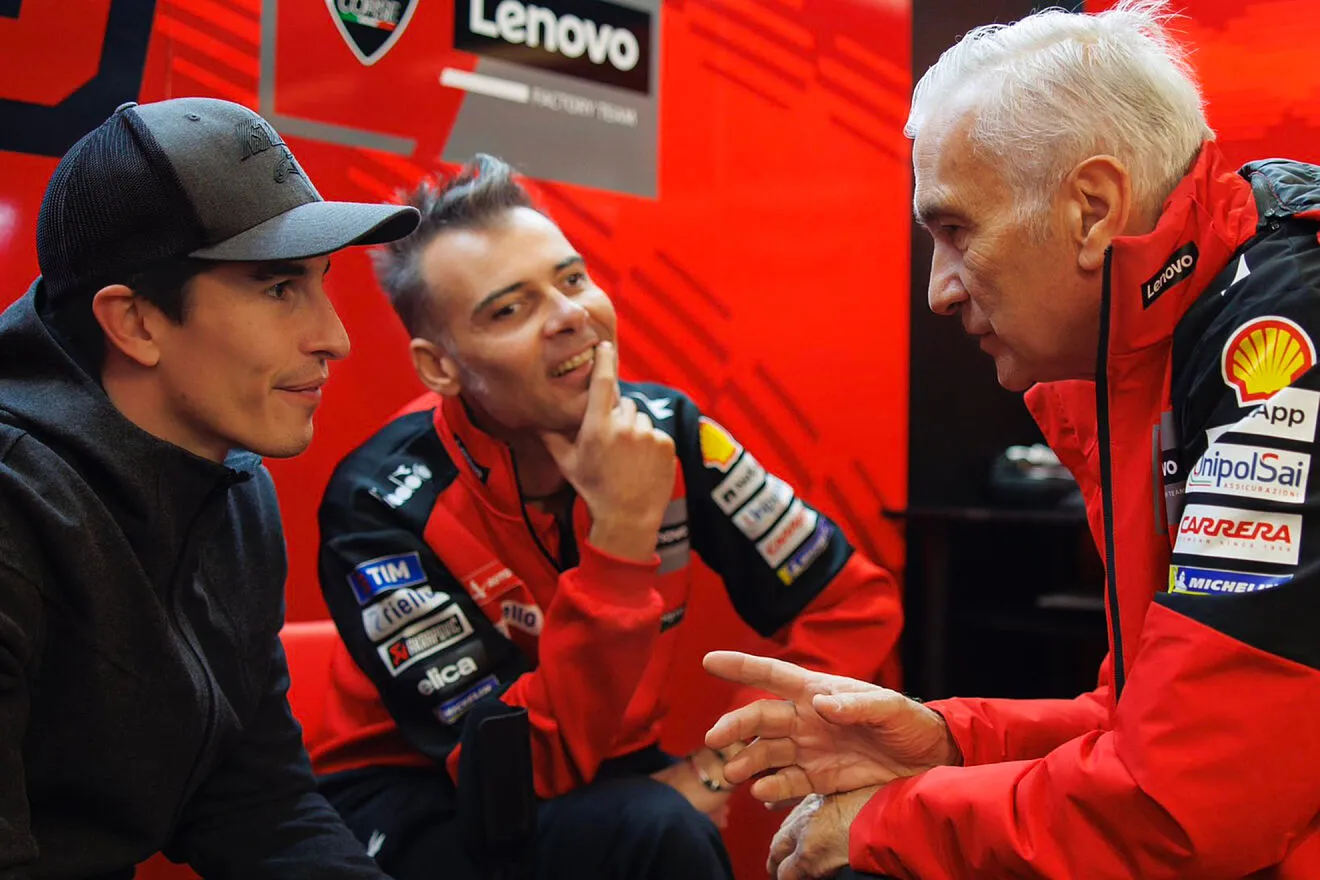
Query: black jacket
[[142, 681]]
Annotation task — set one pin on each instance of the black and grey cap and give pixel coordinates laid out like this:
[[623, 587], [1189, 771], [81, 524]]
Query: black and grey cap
[[189, 177]]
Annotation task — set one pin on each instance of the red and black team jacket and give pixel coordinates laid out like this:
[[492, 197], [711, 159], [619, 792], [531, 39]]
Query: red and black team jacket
[[447, 589], [1199, 754]]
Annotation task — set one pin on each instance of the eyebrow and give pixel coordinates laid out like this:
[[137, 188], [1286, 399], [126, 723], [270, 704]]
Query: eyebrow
[[264, 271], [510, 288]]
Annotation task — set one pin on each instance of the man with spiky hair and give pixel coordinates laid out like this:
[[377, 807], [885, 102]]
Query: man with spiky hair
[[522, 533]]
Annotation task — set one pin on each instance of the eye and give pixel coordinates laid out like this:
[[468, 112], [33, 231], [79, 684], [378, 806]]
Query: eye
[[576, 280], [279, 290], [504, 311]]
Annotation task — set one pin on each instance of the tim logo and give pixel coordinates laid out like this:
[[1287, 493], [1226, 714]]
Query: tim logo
[[1179, 268], [593, 40], [385, 573]]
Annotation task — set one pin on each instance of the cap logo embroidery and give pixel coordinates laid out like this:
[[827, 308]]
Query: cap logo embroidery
[[254, 137]]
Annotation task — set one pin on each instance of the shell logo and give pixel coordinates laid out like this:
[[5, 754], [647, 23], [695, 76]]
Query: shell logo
[[718, 448], [1264, 355]]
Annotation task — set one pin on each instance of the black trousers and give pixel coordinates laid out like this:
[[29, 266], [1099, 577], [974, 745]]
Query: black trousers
[[623, 826]]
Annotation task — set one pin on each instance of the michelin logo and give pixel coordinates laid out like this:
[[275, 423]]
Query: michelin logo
[[1213, 582]]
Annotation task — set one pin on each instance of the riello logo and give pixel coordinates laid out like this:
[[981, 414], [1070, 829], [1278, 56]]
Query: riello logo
[[588, 39]]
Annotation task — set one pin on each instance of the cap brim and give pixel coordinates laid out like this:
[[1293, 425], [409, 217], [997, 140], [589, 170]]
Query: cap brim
[[313, 229]]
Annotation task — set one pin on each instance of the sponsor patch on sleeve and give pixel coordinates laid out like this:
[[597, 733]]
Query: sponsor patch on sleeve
[[384, 573], [424, 638], [742, 482], [398, 608], [808, 553], [1265, 355], [1216, 582], [718, 448], [764, 508], [527, 617], [1289, 414], [1232, 533], [788, 534], [451, 710], [1251, 472]]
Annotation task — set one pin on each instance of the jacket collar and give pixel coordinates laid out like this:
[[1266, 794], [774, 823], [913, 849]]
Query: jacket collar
[[1155, 278], [484, 464]]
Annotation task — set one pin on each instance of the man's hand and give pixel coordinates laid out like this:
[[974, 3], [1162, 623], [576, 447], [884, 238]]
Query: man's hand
[[813, 841], [682, 777], [828, 734], [619, 463]]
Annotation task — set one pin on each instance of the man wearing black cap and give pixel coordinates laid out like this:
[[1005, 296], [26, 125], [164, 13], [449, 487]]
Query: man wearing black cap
[[179, 330]]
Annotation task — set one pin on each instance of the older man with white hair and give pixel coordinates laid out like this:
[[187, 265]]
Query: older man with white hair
[[1161, 307]]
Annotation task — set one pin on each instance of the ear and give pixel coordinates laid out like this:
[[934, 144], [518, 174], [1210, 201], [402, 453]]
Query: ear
[[437, 370], [1098, 206], [127, 320]]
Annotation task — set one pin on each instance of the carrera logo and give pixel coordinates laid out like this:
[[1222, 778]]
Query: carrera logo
[[1207, 530], [588, 39], [791, 531], [1179, 268], [1265, 355]]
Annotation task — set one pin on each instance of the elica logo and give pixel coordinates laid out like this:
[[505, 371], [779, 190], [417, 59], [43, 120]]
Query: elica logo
[[1179, 268], [589, 39], [439, 678]]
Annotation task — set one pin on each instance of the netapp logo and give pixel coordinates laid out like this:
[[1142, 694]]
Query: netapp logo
[[1179, 268], [589, 39]]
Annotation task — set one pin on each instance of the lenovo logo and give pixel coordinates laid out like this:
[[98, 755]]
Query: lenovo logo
[[589, 39]]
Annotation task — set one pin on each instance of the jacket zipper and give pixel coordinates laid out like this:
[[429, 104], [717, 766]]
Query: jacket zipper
[[565, 540], [1107, 478], [195, 650]]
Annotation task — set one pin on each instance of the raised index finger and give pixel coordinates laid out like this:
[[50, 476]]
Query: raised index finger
[[776, 676], [603, 393]]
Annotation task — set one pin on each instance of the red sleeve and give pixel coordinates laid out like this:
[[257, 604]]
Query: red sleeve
[[1209, 771], [849, 628], [597, 641], [988, 731]]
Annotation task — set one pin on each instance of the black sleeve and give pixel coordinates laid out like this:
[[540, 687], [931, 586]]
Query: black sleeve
[[21, 630], [258, 814], [773, 550], [1247, 510], [408, 623]]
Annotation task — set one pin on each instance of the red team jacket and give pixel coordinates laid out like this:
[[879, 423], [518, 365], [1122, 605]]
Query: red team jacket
[[447, 590], [1199, 753]]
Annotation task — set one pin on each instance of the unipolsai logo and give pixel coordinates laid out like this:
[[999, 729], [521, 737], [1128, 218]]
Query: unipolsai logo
[[593, 40], [371, 27]]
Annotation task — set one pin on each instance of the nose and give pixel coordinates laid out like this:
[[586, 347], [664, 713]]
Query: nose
[[567, 315], [946, 291], [328, 339]]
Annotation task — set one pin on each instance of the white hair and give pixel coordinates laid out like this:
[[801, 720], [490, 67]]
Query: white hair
[[1057, 87]]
